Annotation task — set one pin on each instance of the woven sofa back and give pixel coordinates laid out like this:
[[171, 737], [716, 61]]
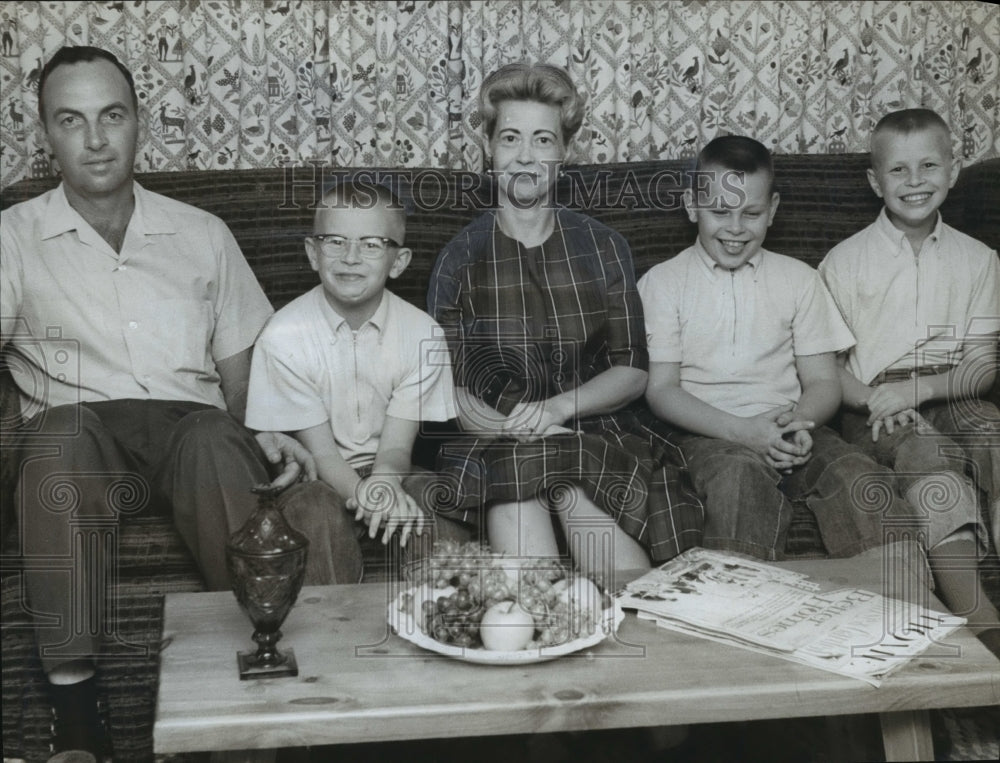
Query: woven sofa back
[[824, 199]]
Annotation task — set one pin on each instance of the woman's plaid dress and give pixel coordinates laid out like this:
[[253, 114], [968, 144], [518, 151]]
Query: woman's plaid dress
[[524, 324]]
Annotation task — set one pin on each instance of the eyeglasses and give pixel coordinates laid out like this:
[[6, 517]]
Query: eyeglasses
[[369, 247]]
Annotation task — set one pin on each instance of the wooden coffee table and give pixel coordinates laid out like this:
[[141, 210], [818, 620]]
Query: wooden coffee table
[[358, 682]]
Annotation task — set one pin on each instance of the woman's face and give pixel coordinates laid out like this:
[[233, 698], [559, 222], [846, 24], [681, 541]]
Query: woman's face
[[527, 149]]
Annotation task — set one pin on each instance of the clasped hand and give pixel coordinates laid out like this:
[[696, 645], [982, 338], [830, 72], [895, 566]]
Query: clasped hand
[[379, 499], [532, 420], [891, 405], [782, 439]]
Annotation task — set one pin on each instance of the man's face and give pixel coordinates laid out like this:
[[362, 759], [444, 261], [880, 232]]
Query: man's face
[[733, 214], [912, 174], [91, 127]]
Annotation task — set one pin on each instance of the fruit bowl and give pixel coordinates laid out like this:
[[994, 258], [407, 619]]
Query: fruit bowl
[[467, 602], [405, 622]]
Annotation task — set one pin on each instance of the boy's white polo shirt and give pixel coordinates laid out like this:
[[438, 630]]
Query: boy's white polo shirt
[[736, 333], [910, 310], [309, 367]]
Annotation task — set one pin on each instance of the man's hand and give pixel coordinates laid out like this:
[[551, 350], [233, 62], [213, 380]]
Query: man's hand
[[380, 498], [288, 454], [783, 440], [889, 399]]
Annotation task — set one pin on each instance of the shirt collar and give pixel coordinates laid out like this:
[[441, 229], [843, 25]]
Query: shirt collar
[[60, 217], [147, 216], [339, 323], [713, 269], [896, 237]]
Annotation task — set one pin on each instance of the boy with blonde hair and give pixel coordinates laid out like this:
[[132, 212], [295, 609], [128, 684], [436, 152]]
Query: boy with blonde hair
[[351, 370], [923, 301]]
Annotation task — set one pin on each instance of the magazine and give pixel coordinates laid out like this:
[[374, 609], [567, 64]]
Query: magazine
[[758, 606]]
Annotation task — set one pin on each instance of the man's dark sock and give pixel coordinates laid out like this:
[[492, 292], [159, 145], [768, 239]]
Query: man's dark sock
[[991, 640], [78, 724]]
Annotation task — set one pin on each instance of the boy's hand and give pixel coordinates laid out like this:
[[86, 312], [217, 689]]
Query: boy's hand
[[889, 399], [785, 462], [889, 423], [297, 463], [783, 440], [380, 498]]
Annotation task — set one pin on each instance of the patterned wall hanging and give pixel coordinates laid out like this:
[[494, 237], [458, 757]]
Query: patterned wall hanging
[[249, 83]]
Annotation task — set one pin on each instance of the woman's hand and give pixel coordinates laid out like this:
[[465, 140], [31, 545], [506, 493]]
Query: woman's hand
[[530, 421]]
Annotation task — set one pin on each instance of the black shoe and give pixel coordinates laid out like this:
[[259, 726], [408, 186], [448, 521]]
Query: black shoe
[[990, 638], [72, 756], [77, 725]]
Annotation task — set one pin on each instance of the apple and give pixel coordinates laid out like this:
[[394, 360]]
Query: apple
[[506, 627]]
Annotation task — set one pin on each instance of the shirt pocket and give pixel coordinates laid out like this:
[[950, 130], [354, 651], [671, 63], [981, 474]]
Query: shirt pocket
[[174, 334]]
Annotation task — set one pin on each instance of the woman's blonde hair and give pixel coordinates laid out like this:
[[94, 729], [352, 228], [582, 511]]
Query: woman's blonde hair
[[542, 83]]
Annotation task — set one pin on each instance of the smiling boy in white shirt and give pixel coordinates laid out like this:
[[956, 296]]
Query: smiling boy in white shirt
[[923, 301]]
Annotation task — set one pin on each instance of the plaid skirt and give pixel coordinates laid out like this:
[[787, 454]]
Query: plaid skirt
[[621, 461]]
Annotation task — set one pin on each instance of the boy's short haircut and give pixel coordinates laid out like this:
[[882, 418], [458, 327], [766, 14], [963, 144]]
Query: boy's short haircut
[[363, 192], [541, 83], [738, 153], [906, 121]]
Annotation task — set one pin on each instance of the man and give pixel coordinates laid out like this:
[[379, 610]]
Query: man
[[132, 318]]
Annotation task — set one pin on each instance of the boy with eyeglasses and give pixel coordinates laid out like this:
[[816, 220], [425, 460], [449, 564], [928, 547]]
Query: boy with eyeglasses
[[350, 370]]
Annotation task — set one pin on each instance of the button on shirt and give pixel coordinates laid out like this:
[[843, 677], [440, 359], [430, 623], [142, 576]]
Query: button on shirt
[[149, 322], [912, 309], [310, 367], [736, 333]]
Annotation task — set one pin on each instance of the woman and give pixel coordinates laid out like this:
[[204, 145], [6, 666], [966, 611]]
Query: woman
[[548, 343]]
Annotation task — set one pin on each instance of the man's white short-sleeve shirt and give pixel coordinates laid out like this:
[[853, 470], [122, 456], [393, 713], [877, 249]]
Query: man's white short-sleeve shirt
[[149, 322]]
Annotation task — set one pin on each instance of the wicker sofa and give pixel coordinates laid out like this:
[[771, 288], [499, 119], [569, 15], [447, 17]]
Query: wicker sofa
[[824, 199]]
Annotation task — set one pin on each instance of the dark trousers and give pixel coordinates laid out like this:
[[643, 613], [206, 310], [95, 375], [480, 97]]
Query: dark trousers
[[87, 466], [748, 504]]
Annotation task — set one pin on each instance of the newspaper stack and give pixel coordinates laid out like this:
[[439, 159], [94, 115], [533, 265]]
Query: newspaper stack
[[758, 606]]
